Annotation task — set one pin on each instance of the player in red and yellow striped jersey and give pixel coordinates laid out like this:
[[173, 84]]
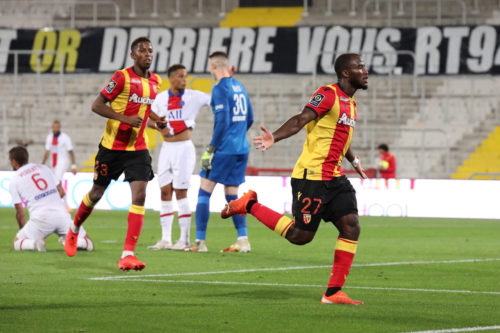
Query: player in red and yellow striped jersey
[[124, 146], [320, 188]]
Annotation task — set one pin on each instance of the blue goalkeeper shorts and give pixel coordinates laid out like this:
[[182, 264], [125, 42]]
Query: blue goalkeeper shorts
[[227, 169]]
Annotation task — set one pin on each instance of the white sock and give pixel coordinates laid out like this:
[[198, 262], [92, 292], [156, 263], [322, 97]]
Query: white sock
[[84, 243], [242, 237], [74, 228], [184, 219], [166, 219], [24, 245], [127, 253]]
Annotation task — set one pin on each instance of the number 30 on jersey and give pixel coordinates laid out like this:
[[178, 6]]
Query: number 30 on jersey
[[240, 107]]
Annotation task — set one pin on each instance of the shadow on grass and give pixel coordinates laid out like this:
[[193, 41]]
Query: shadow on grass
[[114, 305], [262, 294]]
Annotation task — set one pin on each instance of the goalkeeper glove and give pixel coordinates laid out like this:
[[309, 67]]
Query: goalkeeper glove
[[206, 159]]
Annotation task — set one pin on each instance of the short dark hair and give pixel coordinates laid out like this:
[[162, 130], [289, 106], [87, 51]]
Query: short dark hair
[[56, 122], [342, 63], [384, 147], [19, 154], [172, 69], [137, 41], [218, 54]]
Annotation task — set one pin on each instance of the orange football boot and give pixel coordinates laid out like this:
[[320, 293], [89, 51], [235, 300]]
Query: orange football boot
[[339, 298], [131, 262], [71, 243], [238, 206]]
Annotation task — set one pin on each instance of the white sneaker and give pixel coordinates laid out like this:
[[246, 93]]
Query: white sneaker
[[242, 245], [90, 244], [179, 246], [40, 245], [161, 245], [199, 246]]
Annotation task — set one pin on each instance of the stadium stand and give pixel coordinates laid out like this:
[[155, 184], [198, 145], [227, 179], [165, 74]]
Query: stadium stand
[[389, 111], [484, 163], [189, 13]]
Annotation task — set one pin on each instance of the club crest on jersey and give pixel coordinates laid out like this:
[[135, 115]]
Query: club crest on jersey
[[111, 85], [306, 218], [317, 99], [344, 120], [141, 100], [155, 88]]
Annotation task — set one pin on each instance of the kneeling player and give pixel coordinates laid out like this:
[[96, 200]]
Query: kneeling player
[[36, 185]]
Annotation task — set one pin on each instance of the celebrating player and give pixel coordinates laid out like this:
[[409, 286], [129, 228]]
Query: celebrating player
[[124, 146], [225, 158], [59, 144], [177, 155], [38, 187], [320, 189]]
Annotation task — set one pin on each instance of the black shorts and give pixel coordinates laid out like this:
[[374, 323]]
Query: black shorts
[[314, 200], [110, 164]]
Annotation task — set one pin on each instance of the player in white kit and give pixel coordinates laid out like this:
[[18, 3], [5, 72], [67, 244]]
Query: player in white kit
[[37, 186], [177, 156], [59, 145]]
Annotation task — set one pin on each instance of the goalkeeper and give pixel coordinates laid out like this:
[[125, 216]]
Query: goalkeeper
[[225, 159]]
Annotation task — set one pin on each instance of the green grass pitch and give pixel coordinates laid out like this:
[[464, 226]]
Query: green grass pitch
[[50, 292]]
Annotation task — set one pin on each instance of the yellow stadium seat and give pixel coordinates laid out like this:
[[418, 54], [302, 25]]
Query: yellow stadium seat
[[88, 165], [486, 159], [262, 17]]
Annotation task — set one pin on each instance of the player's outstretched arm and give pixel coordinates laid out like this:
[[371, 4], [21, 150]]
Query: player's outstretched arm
[[355, 162], [289, 128], [99, 106], [20, 217]]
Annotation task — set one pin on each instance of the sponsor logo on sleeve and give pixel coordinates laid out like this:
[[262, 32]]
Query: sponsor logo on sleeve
[[317, 99], [219, 107], [111, 85]]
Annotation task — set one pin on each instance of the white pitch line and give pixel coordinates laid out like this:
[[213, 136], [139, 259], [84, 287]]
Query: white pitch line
[[466, 329], [293, 268], [309, 286]]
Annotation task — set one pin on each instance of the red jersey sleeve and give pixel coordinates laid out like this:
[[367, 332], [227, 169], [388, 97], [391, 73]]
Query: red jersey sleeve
[[114, 86], [322, 100], [392, 163]]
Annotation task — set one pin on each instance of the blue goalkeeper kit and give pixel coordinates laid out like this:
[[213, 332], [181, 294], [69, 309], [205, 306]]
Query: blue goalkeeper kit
[[233, 116]]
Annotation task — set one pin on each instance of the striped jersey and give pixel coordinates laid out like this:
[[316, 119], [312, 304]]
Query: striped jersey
[[329, 136], [129, 94]]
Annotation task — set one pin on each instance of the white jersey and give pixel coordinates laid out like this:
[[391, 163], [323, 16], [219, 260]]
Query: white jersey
[[181, 110], [36, 185], [59, 146]]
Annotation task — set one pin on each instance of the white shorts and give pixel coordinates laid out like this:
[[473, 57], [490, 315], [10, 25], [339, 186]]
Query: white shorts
[[60, 169], [59, 224], [176, 164]]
